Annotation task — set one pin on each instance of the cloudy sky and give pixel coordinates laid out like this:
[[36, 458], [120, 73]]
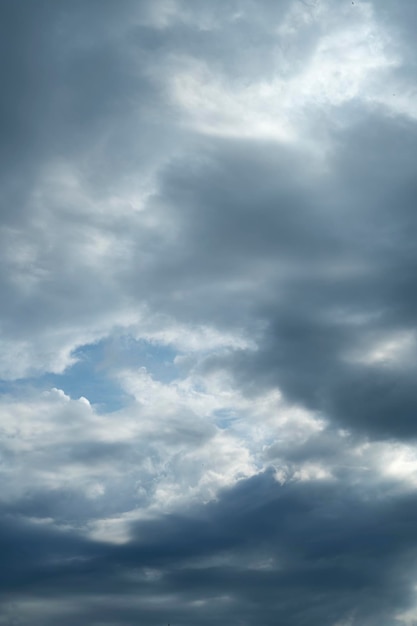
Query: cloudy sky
[[208, 409]]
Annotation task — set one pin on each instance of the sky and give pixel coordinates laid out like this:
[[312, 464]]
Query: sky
[[208, 342]]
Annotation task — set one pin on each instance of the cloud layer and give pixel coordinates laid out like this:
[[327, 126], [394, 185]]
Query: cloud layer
[[208, 336]]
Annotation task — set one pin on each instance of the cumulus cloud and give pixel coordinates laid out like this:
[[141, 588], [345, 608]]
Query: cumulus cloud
[[207, 329]]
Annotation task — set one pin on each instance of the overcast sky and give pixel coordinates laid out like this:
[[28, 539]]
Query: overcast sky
[[208, 410]]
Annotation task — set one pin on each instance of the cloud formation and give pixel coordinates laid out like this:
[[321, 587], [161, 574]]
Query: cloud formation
[[208, 337]]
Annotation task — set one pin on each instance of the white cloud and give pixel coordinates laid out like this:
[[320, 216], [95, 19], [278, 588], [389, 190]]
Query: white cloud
[[350, 56]]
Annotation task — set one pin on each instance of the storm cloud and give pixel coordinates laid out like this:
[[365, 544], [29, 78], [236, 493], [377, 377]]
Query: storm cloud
[[208, 406]]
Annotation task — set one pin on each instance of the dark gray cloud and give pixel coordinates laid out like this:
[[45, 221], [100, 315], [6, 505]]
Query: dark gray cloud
[[328, 265], [223, 195], [263, 552]]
